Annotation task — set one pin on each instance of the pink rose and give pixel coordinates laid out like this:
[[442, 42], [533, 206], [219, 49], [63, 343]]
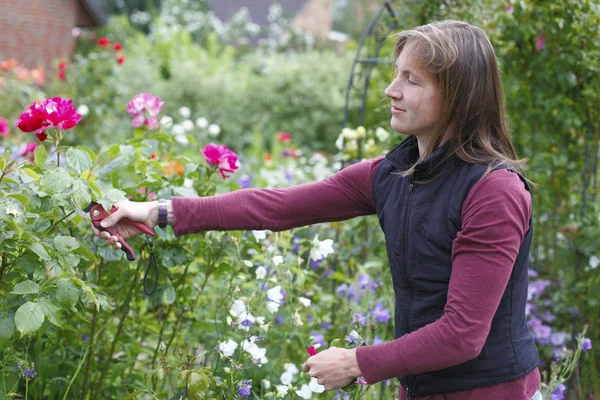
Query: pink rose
[[28, 148], [509, 9], [144, 108], [56, 112], [540, 42], [220, 156], [4, 131]]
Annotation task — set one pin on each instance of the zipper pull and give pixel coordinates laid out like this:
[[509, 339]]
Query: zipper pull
[[408, 397], [411, 187]]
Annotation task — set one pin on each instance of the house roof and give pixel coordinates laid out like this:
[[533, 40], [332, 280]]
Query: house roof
[[94, 11], [258, 9]]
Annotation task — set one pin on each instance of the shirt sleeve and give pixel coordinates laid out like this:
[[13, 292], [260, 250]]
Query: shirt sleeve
[[495, 220], [344, 195]]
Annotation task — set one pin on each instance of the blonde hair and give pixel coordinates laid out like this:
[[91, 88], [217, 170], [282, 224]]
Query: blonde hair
[[462, 59]]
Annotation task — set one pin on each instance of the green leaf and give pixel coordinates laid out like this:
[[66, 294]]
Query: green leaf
[[86, 253], [67, 294], [87, 290], [51, 311], [81, 194], [65, 244], [79, 160], [168, 296], [56, 181], [115, 195], [33, 176], [7, 326], [40, 156], [29, 317], [40, 250], [185, 192], [25, 287]]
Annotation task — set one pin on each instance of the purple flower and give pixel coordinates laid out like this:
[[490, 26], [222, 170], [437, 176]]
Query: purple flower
[[328, 273], [364, 282], [318, 338], [246, 323], [377, 340], [296, 240], [325, 325], [509, 9], [279, 319], [289, 177], [587, 344], [85, 338], [310, 319], [284, 294], [315, 264], [244, 181], [532, 273], [28, 373], [559, 393], [360, 318], [244, 388], [558, 338], [352, 337], [259, 338], [381, 313], [536, 288]]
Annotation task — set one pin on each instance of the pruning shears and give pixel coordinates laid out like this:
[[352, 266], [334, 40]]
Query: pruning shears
[[97, 214]]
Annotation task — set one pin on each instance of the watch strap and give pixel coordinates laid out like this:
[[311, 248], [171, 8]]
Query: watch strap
[[162, 213]]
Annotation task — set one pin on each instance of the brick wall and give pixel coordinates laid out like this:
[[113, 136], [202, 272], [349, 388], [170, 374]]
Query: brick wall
[[37, 32], [316, 17]]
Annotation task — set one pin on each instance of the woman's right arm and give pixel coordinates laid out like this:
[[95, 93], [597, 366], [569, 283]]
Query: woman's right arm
[[344, 195]]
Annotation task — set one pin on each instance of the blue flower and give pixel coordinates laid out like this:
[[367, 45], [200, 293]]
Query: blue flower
[[246, 323], [559, 393], [318, 339], [587, 344], [279, 319], [85, 338], [244, 388], [360, 318], [244, 181], [381, 313]]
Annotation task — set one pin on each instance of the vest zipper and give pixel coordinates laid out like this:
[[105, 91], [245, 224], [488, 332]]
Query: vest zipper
[[411, 188]]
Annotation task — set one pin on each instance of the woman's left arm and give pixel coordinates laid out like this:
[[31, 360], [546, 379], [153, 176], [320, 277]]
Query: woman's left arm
[[495, 219]]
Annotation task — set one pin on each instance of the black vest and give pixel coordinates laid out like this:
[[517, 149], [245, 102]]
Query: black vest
[[420, 222]]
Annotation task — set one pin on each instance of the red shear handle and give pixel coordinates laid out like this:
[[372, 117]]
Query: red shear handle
[[98, 213]]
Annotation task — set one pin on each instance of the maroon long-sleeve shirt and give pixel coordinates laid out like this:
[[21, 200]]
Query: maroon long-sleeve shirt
[[495, 218]]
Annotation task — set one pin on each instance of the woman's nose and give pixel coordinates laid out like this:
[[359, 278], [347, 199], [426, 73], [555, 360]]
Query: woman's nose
[[393, 91]]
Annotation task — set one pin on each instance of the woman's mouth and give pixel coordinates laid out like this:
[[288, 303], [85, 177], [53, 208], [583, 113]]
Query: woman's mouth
[[396, 110]]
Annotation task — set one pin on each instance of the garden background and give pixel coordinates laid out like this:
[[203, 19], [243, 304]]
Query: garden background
[[74, 320]]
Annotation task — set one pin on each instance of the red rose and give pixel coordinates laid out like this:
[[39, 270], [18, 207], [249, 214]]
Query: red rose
[[103, 42]]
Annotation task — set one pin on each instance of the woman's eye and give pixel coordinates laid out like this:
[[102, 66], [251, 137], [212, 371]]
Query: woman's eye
[[411, 82]]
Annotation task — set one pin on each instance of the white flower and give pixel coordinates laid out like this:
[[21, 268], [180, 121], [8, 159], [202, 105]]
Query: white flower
[[266, 384], [272, 307], [320, 249], [304, 301], [291, 368], [259, 235], [286, 378], [315, 387], [361, 132], [166, 122], [188, 183], [257, 354], [214, 130], [304, 392], [178, 129], [188, 125], [274, 295], [349, 133], [261, 272], [339, 143], [182, 139], [83, 110], [201, 123], [282, 390], [237, 308], [594, 262], [245, 316], [185, 112], [277, 260], [228, 348], [382, 134], [297, 319]]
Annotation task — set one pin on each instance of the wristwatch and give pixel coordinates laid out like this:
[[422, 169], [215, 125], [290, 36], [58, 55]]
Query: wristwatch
[[162, 213]]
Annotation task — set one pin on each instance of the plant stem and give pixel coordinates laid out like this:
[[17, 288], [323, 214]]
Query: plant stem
[[58, 222], [117, 335], [76, 373], [90, 350]]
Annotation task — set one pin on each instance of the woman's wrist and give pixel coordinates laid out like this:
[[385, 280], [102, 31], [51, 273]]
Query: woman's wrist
[[154, 210], [354, 369]]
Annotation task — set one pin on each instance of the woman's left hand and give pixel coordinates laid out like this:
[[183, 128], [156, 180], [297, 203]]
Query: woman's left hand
[[334, 368]]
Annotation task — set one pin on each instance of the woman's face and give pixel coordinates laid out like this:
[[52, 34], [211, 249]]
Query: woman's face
[[416, 97]]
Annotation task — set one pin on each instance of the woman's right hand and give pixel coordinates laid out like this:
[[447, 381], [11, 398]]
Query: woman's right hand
[[144, 212]]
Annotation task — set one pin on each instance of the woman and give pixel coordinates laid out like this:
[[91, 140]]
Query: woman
[[457, 222]]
